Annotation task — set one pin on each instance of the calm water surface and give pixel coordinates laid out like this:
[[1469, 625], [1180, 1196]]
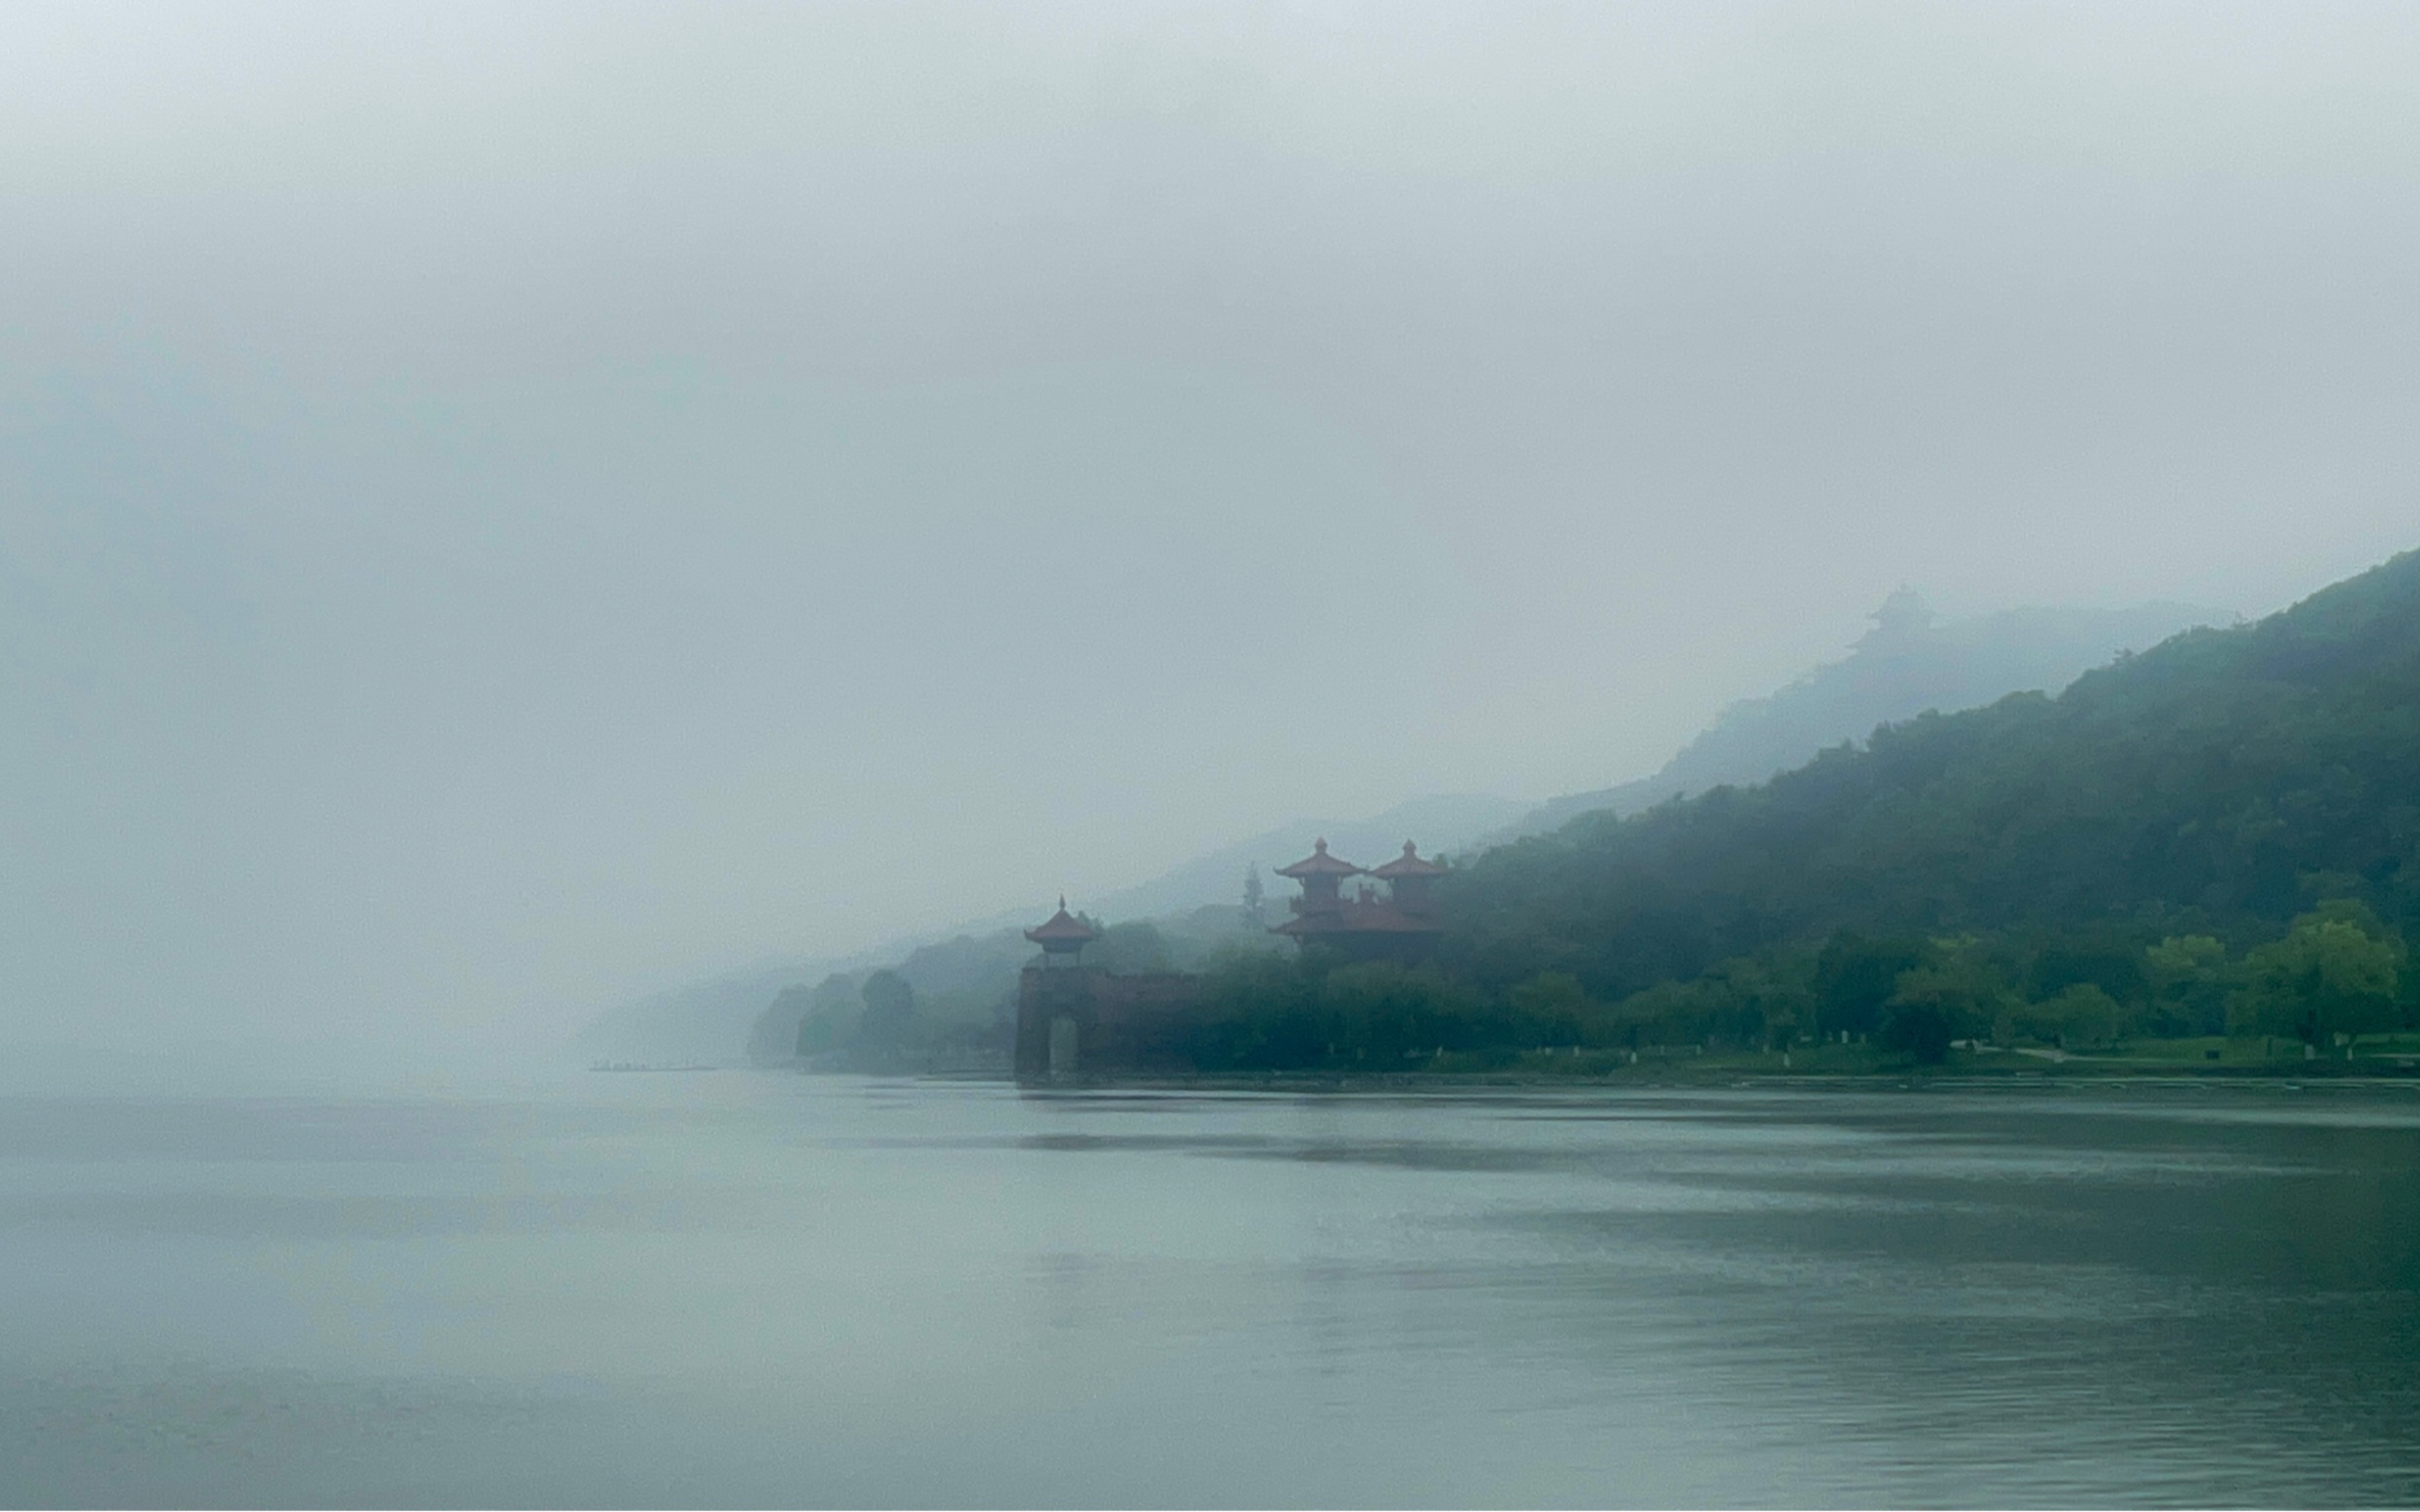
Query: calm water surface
[[742, 1288]]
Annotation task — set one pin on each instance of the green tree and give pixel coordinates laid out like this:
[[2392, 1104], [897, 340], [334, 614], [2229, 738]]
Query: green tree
[[1548, 1009], [1134, 947], [1854, 976], [1956, 992], [1382, 1015], [1670, 1013], [2081, 1017], [2098, 957], [2333, 973], [1767, 1000], [1257, 1012], [2187, 976], [2084, 1017]]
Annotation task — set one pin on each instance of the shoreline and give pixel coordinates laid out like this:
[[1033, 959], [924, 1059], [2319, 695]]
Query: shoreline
[[1696, 1073]]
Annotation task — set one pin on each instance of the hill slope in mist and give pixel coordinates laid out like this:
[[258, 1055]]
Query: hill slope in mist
[[697, 1023], [2220, 781], [1907, 664]]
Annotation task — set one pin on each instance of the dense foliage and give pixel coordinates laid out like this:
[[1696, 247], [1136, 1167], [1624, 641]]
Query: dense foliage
[[2220, 835]]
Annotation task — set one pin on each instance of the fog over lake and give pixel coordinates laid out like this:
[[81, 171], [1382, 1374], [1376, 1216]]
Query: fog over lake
[[503, 509], [740, 1289], [556, 534]]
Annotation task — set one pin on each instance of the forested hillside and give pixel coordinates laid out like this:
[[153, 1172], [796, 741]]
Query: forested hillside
[[2217, 838], [2223, 780], [2221, 835]]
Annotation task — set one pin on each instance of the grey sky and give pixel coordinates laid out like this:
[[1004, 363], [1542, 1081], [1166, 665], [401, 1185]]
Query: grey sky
[[503, 507]]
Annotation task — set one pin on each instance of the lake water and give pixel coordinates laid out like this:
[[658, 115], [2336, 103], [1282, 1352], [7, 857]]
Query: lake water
[[757, 1289]]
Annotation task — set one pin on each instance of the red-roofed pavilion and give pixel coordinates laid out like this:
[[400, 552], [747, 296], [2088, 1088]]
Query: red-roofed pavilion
[[1407, 878], [1320, 874], [1320, 864], [1063, 935], [1398, 926]]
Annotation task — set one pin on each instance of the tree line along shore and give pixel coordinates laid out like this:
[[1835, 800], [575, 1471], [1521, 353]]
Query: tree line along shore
[[2201, 860]]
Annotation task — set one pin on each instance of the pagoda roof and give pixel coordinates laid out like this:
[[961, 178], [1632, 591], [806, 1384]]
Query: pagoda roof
[[1062, 926], [1320, 864], [1409, 864]]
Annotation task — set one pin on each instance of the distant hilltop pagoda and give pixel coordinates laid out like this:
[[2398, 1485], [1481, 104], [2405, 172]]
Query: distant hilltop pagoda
[[1400, 926]]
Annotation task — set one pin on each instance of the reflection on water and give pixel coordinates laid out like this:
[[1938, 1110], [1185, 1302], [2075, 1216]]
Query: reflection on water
[[744, 1289]]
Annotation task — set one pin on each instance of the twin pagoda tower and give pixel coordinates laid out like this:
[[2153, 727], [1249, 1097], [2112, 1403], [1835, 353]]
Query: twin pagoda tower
[[1400, 926], [1074, 1023]]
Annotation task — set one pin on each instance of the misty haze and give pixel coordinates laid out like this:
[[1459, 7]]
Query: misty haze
[[1174, 755]]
